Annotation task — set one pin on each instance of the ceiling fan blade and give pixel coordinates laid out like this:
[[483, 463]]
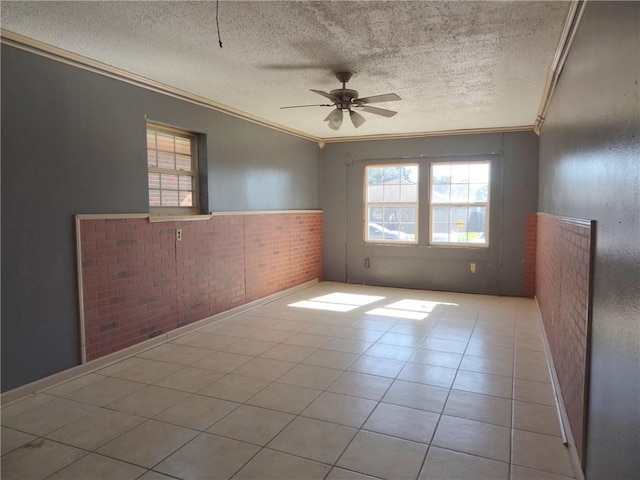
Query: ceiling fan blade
[[326, 95], [315, 105], [385, 97], [335, 119], [356, 118], [378, 111]]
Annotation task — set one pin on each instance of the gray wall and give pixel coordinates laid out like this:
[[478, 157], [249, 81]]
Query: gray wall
[[74, 142], [590, 168], [513, 196]]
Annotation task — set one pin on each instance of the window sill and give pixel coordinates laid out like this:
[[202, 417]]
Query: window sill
[[178, 218]]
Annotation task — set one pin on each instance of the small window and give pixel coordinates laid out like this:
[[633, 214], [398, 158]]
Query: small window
[[459, 203], [391, 203], [173, 170]]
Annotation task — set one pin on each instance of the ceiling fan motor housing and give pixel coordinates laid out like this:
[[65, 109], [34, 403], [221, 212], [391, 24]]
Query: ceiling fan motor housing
[[346, 96]]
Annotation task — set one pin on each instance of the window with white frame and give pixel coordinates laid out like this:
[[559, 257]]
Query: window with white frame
[[391, 203], [459, 203], [173, 170]]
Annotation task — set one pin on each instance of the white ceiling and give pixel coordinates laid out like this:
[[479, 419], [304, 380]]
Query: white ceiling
[[456, 65]]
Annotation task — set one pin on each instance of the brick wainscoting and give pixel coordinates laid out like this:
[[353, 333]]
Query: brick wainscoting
[[139, 282], [563, 282]]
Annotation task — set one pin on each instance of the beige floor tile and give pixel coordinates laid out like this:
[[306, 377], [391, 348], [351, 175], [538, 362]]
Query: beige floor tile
[[530, 343], [228, 328], [484, 383], [290, 326], [384, 367], [342, 474], [96, 429], [151, 475], [49, 416], [172, 353], [248, 346], [269, 464], [271, 335], [428, 374], [393, 352], [105, 391], [37, 460], [330, 359], [224, 362], [234, 388], [421, 330], [12, 439], [541, 452], [189, 379], [490, 351], [441, 345], [252, 424], [377, 325], [476, 438], [361, 385], [416, 395], [310, 376], [313, 439], [482, 408], [197, 412], [533, 371], [97, 467], [338, 408], [408, 423], [347, 345], [77, 383], [265, 368], [109, 370], [308, 340], [492, 366], [438, 359], [524, 473], [401, 339], [285, 398], [19, 407], [451, 333], [535, 392], [147, 371], [208, 456], [528, 356], [327, 330], [360, 334], [444, 464], [534, 417], [148, 443], [288, 353], [383, 456], [205, 340], [485, 339], [148, 401]]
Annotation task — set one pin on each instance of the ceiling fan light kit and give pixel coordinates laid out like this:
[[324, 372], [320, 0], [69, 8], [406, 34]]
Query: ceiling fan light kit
[[346, 100]]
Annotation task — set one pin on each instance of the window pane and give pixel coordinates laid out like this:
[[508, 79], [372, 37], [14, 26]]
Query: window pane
[[409, 192], [408, 214], [375, 193], [375, 214], [154, 198], [441, 174], [169, 182], [479, 173], [460, 173], [185, 182], [392, 215], [166, 160], [409, 174], [478, 192], [375, 175], [458, 215], [441, 214], [186, 199], [151, 140], [459, 193], [152, 159], [391, 193], [183, 146], [392, 175], [169, 198], [477, 219], [440, 193], [183, 162], [154, 180], [165, 142]]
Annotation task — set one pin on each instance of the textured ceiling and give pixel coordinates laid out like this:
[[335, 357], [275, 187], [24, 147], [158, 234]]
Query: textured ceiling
[[456, 65]]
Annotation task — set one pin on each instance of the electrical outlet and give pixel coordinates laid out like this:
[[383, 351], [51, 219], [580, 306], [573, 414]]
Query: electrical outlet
[[472, 267], [367, 262], [178, 234]]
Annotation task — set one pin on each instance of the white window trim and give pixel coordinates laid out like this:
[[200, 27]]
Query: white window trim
[[156, 211], [366, 205], [455, 204]]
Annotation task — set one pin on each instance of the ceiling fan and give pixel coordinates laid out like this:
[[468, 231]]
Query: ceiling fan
[[346, 100]]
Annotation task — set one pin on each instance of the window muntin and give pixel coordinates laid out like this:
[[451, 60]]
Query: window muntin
[[459, 203], [391, 203], [173, 172]]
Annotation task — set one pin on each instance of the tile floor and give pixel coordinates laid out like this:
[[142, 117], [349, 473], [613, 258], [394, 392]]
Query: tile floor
[[332, 382]]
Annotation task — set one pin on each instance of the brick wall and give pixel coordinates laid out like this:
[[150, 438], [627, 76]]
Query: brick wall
[[563, 292], [530, 241], [138, 282]]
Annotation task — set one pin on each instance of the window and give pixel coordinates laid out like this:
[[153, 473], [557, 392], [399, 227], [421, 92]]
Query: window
[[459, 203], [391, 203], [173, 171]]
